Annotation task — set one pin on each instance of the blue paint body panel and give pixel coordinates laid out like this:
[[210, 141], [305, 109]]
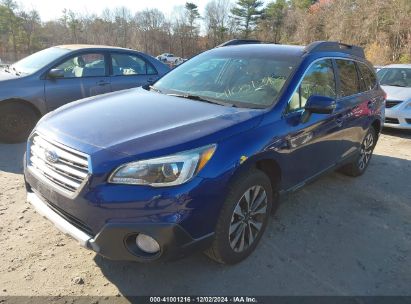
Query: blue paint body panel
[[137, 124]]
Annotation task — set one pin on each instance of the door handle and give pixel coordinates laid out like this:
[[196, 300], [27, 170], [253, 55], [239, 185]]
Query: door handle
[[102, 83]]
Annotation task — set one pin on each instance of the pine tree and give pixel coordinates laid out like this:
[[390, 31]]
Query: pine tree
[[247, 13]]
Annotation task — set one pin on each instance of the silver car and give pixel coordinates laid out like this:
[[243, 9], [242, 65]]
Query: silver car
[[395, 79], [53, 77]]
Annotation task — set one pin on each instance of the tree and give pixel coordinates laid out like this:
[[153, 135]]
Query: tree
[[29, 22], [217, 21], [10, 23], [247, 13], [272, 22], [193, 28]]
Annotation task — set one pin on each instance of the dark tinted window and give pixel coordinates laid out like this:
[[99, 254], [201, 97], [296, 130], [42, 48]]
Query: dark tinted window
[[349, 84], [319, 80], [367, 77]]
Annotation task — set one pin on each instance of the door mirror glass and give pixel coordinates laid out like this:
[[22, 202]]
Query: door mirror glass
[[56, 73], [320, 104]]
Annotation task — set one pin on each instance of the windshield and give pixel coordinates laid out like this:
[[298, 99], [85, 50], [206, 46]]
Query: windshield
[[397, 77], [245, 80], [38, 60]]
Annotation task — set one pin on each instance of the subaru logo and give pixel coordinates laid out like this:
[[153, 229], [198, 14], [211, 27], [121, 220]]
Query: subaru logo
[[51, 156]]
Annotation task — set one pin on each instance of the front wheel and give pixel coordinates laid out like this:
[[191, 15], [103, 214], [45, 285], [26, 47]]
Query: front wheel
[[361, 162], [16, 122], [243, 218]]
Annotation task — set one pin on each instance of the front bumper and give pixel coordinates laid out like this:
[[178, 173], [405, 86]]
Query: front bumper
[[398, 117], [117, 240]]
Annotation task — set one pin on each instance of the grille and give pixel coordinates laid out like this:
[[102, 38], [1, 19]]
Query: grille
[[63, 167], [392, 120], [67, 216], [71, 219], [392, 103]]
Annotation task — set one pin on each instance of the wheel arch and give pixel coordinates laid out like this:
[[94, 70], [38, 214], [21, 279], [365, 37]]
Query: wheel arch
[[376, 124], [266, 163], [24, 102]]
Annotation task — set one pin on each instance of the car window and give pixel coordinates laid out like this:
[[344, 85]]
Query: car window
[[84, 65], [39, 60], [367, 77], [241, 79], [319, 80], [126, 64], [398, 77], [349, 84]]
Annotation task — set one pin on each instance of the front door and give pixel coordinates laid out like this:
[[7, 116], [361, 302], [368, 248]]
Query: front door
[[84, 75], [312, 145]]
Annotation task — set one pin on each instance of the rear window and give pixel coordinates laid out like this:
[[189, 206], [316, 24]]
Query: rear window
[[349, 84]]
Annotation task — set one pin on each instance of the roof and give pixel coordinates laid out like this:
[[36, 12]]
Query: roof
[[74, 47], [398, 65], [290, 50]]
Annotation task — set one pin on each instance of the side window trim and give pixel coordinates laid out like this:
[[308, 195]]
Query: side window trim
[[337, 80], [361, 80]]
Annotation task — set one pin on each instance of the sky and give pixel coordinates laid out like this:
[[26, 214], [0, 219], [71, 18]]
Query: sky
[[52, 9]]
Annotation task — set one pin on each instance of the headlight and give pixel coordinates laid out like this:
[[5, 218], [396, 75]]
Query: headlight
[[164, 171]]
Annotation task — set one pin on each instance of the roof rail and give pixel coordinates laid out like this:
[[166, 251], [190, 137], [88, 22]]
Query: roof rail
[[239, 41], [334, 46]]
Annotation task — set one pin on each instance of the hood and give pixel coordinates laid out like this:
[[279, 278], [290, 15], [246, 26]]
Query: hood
[[397, 93], [137, 121], [7, 76]]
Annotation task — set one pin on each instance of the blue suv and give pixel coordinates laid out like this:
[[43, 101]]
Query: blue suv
[[198, 160]]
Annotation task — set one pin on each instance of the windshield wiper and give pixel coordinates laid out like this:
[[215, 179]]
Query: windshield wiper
[[395, 85], [200, 98]]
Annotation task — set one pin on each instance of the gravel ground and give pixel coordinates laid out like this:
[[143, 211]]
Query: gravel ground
[[337, 236]]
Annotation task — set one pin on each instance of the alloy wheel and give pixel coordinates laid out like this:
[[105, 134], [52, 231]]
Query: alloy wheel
[[366, 151], [248, 218]]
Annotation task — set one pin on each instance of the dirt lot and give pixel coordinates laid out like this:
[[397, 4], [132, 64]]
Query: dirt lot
[[337, 236]]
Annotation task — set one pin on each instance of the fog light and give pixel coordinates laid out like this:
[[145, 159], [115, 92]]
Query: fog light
[[147, 243]]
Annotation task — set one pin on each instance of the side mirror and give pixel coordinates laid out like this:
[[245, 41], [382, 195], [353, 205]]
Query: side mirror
[[320, 104], [55, 73]]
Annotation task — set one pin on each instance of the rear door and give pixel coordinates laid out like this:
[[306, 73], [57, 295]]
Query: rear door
[[85, 75], [129, 70], [353, 105]]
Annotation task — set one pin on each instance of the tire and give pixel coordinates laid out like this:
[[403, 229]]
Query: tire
[[226, 248], [361, 162], [16, 122]]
